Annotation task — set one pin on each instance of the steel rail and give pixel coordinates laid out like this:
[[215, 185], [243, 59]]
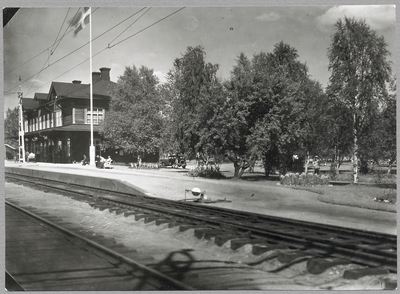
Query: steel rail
[[153, 273], [335, 247], [220, 211], [257, 228]]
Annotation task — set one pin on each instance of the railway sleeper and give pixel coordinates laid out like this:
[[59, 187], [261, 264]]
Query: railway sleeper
[[291, 256], [206, 233], [117, 210], [174, 224], [140, 216], [240, 242], [130, 212], [185, 227], [261, 248], [161, 221], [317, 265], [223, 238], [390, 284], [355, 274], [149, 219]]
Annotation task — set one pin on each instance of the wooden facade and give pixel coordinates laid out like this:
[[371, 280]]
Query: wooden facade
[[57, 124]]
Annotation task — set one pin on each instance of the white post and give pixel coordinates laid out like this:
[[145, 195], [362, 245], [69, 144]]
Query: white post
[[21, 148], [92, 150]]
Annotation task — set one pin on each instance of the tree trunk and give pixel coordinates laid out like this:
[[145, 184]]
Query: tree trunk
[[355, 151], [240, 167], [236, 169], [306, 165]]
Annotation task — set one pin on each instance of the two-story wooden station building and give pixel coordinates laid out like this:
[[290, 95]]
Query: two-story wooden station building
[[57, 124]]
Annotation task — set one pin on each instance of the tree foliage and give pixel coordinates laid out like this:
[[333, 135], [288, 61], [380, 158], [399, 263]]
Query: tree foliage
[[233, 122], [359, 76], [11, 127], [134, 122], [279, 105], [196, 93], [379, 143]]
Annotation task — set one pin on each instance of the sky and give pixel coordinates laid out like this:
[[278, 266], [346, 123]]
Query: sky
[[155, 36]]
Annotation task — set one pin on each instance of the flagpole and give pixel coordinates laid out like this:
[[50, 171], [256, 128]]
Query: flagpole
[[92, 147]]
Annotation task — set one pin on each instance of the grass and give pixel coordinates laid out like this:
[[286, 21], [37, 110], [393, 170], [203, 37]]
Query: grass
[[358, 195], [371, 186]]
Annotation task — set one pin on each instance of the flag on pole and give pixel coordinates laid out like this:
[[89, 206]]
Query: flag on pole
[[80, 20]]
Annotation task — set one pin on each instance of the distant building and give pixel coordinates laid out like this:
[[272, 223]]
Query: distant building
[[57, 124]]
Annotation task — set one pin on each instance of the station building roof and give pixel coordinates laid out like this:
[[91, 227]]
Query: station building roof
[[29, 103]]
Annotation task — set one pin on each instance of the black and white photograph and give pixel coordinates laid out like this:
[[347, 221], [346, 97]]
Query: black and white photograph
[[191, 147]]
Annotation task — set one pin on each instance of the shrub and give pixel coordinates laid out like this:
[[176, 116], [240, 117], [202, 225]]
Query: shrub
[[296, 179], [333, 171], [206, 172], [389, 195]]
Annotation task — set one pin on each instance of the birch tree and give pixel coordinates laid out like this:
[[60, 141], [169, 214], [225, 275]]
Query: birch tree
[[360, 72]]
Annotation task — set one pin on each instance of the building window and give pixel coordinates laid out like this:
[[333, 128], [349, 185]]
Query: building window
[[73, 115], [58, 118], [98, 116]]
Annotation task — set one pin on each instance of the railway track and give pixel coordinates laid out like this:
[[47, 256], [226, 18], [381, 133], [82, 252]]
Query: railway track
[[42, 255], [320, 246]]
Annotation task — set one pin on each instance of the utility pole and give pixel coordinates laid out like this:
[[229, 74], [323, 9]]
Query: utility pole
[[21, 150], [92, 150]]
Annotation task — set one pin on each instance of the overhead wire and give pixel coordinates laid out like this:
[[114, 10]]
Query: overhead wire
[[129, 26], [36, 54], [59, 40], [108, 47], [76, 49], [82, 62], [148, 27], [51, 51], [52, 47]]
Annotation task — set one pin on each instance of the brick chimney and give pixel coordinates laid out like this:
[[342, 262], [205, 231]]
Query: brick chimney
[[96, 77], [76, 82], [105, 73]]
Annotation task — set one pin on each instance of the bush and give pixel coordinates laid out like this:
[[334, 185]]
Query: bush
[[333, 171], [296, 179], [389, 195], [206, 172]]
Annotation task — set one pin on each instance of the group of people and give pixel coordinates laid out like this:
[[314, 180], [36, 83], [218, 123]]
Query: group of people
[[100, 161]]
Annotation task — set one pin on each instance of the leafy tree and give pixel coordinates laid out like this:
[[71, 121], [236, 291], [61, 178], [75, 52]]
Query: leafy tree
[[379, 143], [134, 122], [316, 136], [359, 73], [195, 91], [281, 81], [233, 122], [11, 127], [169, 143]]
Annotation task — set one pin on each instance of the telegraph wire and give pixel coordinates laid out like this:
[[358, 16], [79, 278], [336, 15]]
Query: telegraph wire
[[51, 51], [76, 49], [82, 62], [108, 47], [65, 33], [130, 25], [148, 27], [52, 47]]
